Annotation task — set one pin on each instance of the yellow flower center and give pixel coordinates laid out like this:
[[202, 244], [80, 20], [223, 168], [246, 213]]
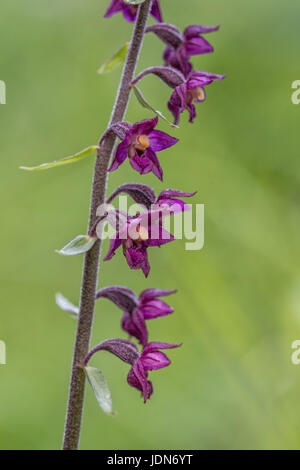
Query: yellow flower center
[[199, 93], [195, 94], [144, 141]]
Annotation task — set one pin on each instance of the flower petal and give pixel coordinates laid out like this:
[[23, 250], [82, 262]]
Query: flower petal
[[154, 346], [177, 102], [158, 236], [145, 126], [201, 78], [150, 294], [114, 245], [134, 324], [141, 163], [146, 265], [155, 360], [137, 258], [137, 378], [154, 309], [130, 12], [156, 168], [170, 193], [197, 46], [155, 11], [196, 29], [120, 155], [114, 7], [160, 140], [175, 205]]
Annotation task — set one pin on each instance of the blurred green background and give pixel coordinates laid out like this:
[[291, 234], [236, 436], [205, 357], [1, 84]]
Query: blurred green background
[[232, 385]]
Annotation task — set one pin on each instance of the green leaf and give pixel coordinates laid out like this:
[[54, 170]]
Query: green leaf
[[142, 100], [64, 161], [117, 59], [134, 2], [80, 244], [100, 388], [66, 305]]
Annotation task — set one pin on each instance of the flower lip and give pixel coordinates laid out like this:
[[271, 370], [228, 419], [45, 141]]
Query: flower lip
[[143, 233]]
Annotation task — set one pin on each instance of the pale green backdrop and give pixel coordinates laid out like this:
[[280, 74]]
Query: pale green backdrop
[[232, 385]]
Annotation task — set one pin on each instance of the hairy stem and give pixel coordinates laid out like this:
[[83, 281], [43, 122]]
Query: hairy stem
[[91, 262]]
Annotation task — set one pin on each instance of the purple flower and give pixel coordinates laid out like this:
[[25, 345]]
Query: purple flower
[[136, 236], [169, 199], [141, 363], [145, 195], [191, 91], [140, 144], [149, 359], [130, 11], [137, 310], [148, 308], [192, 44], [187, 90], [180, 47]]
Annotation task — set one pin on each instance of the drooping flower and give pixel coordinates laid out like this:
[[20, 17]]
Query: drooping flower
[[130, 11], [169, 198], [137, 310], [141, 363], [145, 195], [180, 47], [140, 144], [190, 92], [150, 359], [136, 236], [187, 90]]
